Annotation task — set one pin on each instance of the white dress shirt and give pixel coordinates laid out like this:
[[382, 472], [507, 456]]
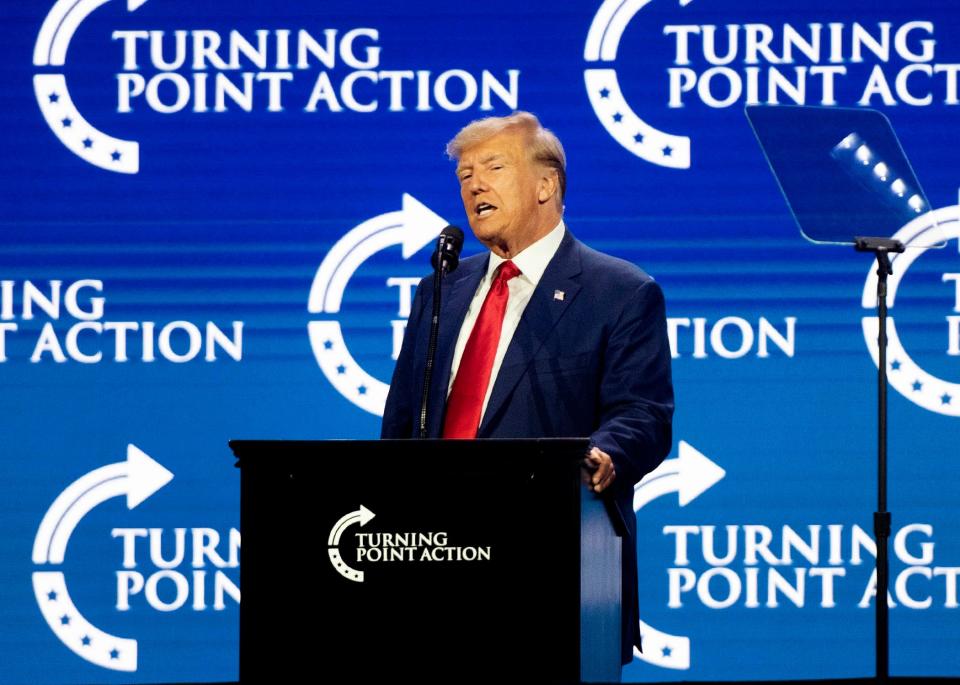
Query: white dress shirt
[[532, 262]]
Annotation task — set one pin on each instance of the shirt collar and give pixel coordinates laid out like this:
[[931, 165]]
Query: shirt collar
[[532, 260]]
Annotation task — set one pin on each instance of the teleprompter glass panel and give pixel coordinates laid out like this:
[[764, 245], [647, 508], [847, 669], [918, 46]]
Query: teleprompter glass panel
[[842, 171]]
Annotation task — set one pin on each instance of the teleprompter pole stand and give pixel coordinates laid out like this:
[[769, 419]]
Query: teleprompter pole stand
[[881, 248]]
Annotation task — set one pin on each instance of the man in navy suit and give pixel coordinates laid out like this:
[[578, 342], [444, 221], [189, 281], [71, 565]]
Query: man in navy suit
[[542, 336]]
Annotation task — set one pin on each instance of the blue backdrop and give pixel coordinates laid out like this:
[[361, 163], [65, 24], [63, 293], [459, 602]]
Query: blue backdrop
[[212, 215]]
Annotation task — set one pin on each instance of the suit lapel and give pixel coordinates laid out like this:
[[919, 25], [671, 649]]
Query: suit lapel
[[537, 323], [455, 297]]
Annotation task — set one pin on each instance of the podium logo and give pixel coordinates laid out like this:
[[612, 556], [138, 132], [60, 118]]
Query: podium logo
[[815, 62], [393, 547], [361, 516], [917, 384], [137, 478], [411, 229]]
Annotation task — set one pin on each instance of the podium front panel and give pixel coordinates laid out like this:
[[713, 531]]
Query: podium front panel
[[452, 561]]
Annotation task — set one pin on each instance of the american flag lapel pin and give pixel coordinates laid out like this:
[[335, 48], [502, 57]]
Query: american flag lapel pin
[[558, 295]]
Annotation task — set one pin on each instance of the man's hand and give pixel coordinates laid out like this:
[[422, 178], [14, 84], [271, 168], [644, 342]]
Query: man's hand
[[600, 467]]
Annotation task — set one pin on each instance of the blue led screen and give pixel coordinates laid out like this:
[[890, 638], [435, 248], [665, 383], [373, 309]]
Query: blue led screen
[[213, 216]]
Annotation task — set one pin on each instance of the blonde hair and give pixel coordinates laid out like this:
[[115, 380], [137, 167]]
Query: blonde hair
[[543, 145]]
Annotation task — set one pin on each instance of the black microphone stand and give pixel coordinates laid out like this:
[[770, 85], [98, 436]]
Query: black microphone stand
[[445, 259], [431, 350], [881, 248]]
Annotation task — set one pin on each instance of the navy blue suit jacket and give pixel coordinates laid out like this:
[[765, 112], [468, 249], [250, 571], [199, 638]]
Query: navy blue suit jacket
[[593, 362]]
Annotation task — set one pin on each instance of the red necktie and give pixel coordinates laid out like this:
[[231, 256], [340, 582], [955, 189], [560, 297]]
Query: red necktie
[[473, 376]]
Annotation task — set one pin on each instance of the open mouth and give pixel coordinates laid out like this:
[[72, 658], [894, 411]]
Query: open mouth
[[484, 209]]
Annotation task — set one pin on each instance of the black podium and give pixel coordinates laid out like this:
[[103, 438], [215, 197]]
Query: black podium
[[434, 560]]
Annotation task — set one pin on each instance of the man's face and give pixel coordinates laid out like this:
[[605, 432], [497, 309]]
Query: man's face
[[500, 188]]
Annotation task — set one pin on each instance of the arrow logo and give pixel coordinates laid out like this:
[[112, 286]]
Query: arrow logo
[[361, 515], [137, 478], [689, 475], [607, 98], [906, 376], [53, 96], [413, 228]]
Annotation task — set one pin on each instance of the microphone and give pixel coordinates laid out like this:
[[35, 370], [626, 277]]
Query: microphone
[[447, 255]]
